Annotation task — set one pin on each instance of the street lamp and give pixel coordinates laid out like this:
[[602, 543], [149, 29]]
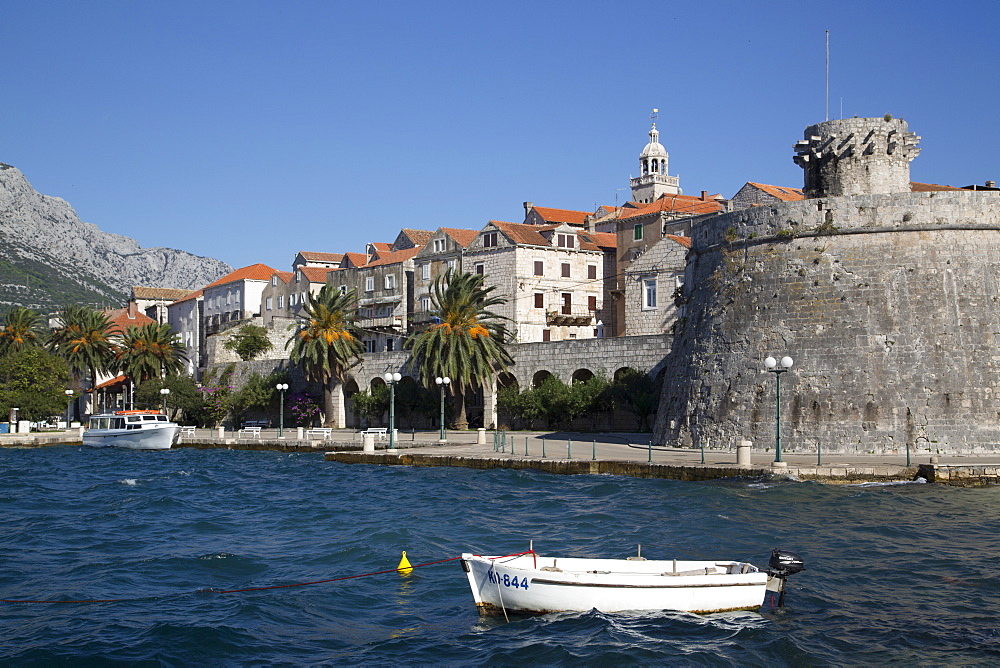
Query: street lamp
[[392, 378], [164, 391], [69, 402], [281, 387], [442, 382], [777, 368]]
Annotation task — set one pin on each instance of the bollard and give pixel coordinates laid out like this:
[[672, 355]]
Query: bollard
[[594, 451], [650, 459], [300, 433], [481, 438], [222, 432], [743, 454], [569, 448], [368, 442], [543, 448], [525, 446]]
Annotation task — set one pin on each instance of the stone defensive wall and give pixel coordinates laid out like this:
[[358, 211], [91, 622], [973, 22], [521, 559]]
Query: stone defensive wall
[[888, 305]]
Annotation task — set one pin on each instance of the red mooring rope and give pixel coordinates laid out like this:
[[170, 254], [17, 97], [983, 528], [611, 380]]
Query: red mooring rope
[[211, 590]]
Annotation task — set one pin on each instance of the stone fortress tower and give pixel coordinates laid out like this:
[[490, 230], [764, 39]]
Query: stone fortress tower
[[654, 181], [888, 301]]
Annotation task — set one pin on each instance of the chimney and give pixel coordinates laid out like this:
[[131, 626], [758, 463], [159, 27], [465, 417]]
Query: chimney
[[991, 184], [528, 206], [133, 310], [704, 195]]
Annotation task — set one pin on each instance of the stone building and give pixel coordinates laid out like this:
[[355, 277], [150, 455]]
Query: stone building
[[153, 301], [653, 181], [651, 286], [757, 194], [287, 291], [186, 317], [317, 259], [551, 276], [444, 251], [884, 298]]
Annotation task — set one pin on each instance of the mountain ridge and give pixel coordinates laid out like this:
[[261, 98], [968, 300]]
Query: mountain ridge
[[52, 258]]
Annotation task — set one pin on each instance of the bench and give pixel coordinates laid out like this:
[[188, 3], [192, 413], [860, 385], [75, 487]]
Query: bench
[[255, 423], [187, 431], [323, 432], [250, 431], [381, 432]]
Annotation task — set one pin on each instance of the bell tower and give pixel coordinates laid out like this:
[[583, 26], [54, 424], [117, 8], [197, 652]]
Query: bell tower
[[653, 181]]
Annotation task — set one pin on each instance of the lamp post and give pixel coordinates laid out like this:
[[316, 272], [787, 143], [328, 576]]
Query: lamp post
[[392, 378], [777, 368], [164, 391], [281, 387], [442, 383], [69, 402]]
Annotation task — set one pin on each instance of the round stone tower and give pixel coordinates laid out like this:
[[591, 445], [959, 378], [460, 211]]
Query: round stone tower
[[857, 156]]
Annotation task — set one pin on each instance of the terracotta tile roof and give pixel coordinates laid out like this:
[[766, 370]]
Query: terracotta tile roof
[[315, 274], [123, 320], [929, 187], [312, 256], [601, 239], [781, 192], [382, 246], [521, 233], [190, 295], [683, 241], [394, 257], [418, 237], [684, 204], [356, 259], [284, 276], [255, 272], [166, 294], [561, 215], [461, 236], [108, 383]]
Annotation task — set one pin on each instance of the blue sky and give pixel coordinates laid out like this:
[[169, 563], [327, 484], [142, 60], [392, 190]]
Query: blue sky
[[248, 131]]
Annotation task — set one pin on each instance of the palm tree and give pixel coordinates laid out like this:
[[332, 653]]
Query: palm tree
[[326, 343], [469, 343], [150, 351], [87, 340], [22, 329]]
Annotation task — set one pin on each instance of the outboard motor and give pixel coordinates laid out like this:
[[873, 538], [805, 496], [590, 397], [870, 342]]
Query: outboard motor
[[782, 564]]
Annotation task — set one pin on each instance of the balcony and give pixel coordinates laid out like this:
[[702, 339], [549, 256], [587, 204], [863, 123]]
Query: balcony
[[388, 323], [566, 317]]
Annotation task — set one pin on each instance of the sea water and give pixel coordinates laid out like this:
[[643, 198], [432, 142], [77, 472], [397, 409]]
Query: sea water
[[902, 574]]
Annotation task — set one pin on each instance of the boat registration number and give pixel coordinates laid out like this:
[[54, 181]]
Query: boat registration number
[[507, 581]]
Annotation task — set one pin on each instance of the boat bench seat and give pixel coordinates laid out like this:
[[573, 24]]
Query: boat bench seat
[[711, 570]]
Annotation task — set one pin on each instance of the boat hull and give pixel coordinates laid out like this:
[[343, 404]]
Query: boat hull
[[150, 437], [530, 583]]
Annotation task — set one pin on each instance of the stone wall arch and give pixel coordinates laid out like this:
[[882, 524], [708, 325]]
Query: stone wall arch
[[581, 376]]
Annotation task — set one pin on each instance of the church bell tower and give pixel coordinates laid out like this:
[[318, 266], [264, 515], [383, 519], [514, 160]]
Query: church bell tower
[[653, 181]]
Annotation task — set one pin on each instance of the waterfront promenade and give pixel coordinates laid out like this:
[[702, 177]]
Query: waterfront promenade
[[581, 453]]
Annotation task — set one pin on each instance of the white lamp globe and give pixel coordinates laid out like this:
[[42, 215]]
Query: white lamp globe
[[787, 362], [770, 362], [396, 377], [447, 380], [439, 380], [387, 376]]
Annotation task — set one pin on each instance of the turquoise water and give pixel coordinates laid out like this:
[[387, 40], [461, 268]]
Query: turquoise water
[[901, 574]]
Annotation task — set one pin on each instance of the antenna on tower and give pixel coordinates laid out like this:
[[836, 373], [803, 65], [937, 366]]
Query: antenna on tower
[[827, 75]]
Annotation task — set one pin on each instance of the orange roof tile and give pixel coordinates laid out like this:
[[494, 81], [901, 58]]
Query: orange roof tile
[[394, 257], [520, 233], [284, 276], [108, 383], [191, 295], [685, 204], [461, 236], [123, 321], [418, 237], [929, 187], [601, 239], [561, 215], [356, 259], [382, 246], [254, 272], [783, 193], [168, 294], [312, 256], [683, 241], [315, 274]]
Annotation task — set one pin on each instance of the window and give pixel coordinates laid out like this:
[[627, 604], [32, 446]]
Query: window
[[592, 303], [274, 280], [451, 265], [490, 240], [302, 297], [565, 240], [291, 300], [546, 335], [539, 300], [343, 289], [637, 232], [267, 304], [388, 345], [281, 301], [592, 271], [565, 269], [539, 268], [390, 281], [425, 271], [649, 293], [567, 307], [298, 277], [369, 283], [425, 303], [369, 346], [438, 246], [480, 268]]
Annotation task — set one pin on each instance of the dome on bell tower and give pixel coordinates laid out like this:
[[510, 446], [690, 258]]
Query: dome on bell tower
[[654, 182]]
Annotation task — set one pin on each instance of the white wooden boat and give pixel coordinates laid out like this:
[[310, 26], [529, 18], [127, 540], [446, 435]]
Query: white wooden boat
[[529, 582], [141, 430]]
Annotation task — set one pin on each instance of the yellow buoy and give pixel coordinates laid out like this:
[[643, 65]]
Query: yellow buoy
[[404, 565]]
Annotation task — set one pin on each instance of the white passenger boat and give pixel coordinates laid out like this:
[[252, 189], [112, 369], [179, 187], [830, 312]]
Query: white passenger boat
[[142, 430], [529, 582]]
